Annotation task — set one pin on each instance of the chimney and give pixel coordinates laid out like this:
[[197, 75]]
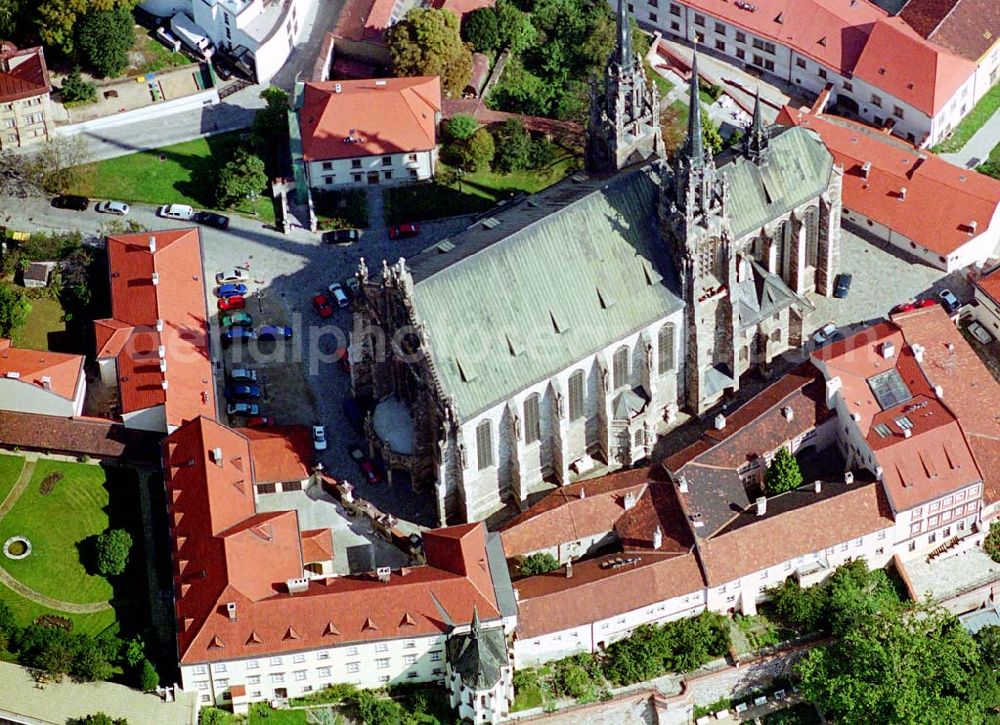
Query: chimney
[[629, 501], [217, 456], [297, 586], [163, 365], [165, 385], [720, 421], [761, 505], [161, 352], [832, 386], [569, 569], [380, 84], [337, 88], [918, 352], [231, 611], [866, 168], [818, 486], [848, 476], [907, 432], [887, 349], [152, 243], [856, 416], [902, 193], [682, 483], [938, 391], [159, 325], [788, 413], [657, 538], [46, 382], [878, 472], [517, 594], [972, 227], [156, 279], [583, 493], [383, 573]]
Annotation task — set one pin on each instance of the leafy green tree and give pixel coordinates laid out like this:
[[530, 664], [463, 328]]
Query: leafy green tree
[[105, 38], [135, 652], [89, 663], [8, 626], [271, 122], [573, 680], [541, 563], [76, 90], [14, 309], [481, 150], [214, 716], [149, 680], [481, 28], [710, 134], [426, 42], [988, 639], [855, 592], [516, 30], [696, 640], [804, 609], [461, 126], [113, 548], [243, 177], [100, 718], [641, 656], [55, 165], [991, 544], [513, 147], [783, 474]]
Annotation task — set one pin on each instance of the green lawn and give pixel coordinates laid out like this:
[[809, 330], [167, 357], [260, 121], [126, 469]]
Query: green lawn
[[26, 611], [980, 114], [991, 167], [46, 317], [10, 469], [178, 174], [155, 55], [56, 524], [264, 715]]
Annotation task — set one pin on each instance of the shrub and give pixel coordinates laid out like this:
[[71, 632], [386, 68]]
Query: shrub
[[461, 127], [513, 147], [481, 27], [113, 548], [149, 680], [541, 563], [54, 620], [991, 544], [783, 474], [49, 482], [573, 681], [100, 718], [215, 716], [76, 90], [803, 609]]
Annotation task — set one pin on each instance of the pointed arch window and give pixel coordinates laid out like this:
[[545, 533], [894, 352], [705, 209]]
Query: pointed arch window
[[665, 348], [620, 365], [484, 445]]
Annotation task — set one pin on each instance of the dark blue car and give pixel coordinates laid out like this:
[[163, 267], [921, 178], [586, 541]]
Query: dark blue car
[[231, 290], [237, 334], [274, 332], [242, 391]]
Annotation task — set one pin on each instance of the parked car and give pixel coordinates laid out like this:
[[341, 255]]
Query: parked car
[[243, 409], [261, 421], [243, 375], [232, 276], [119, 208], [402, 231], [242, 391], [274, 332], [321, 303], [353, 285], [980, 333], [822, 335], [237, 319], [341, 236], [237, 334], [904, 307], [366, 464], [926, 302], [949, 300], [176, 211], [355, 416], [232, 303], [231, 290], [339, 296], [843, 285], [211, 219], [71, 201], [319, 438]]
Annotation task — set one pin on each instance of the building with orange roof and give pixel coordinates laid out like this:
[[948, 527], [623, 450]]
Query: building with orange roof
[[874, 66], [39, 381], [943, 214], [986, 288], [154, 348], [362, 132], [25, 114], [260, 617]]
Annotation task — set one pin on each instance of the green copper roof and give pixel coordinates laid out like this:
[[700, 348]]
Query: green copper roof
[[478, 656], [797, 168], [543, 284]]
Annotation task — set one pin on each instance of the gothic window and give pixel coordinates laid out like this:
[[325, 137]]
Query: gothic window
[[621, 367], [665, 345], [532, 429], [812, 237], [484, 445], [576, 395]]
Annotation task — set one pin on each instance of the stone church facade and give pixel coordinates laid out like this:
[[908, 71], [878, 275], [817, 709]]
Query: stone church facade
[[565, 329]]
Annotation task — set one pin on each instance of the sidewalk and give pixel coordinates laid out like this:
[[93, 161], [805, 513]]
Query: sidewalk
[[977, 149]]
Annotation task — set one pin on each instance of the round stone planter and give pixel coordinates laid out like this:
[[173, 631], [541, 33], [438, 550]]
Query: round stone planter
[[16, 547]]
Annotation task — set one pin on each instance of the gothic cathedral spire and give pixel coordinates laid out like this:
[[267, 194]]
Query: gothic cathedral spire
[[755, 145], [693, 147], [623, 50]]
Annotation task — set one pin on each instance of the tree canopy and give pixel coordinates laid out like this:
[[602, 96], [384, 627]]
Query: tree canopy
[[105, 38], [76, 90], [513, 147], [783, 474], [461, 126], [541, 562], [426, 42], [113, 548], [243, 177], [14, 309]]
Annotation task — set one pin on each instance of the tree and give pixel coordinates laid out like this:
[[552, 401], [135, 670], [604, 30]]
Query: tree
[[426, 42], [100, 718], [461, 126], [988, 639], [516, 30], [804, 609], [89, 663], [513, 147], [149, 680], [105, 38], [481, 150], [243, 177], [135, 652], [710, 134], [8, 627], [54, 166], [541, 563], [991, 544], [783, 474], [271, 122], [112, 551], [76, 90], [481, 28], [14, 309]]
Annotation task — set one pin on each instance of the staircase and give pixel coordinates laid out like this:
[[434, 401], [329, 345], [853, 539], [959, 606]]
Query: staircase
[[945, 546], [235, 87]]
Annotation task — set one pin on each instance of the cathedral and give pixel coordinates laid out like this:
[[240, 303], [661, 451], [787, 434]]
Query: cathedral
[[564, 331]]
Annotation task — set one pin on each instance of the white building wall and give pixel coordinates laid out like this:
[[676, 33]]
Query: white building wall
[[987, 71], [987, 313], [397, 168], [153, 418], [24, 397]]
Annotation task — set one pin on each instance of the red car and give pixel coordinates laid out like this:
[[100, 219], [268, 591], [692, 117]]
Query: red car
[[929, 302], [261, 421], [321, 303], [366, 464], [232, 303], [345, 364], [905, 307], [402, 231]]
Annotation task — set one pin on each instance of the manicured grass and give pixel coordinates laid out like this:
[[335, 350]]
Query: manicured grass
[[179, 174], [991, 167], [966, 129], [57, 524], [10, 469], [264, 715], [26, 611], [46, 317]]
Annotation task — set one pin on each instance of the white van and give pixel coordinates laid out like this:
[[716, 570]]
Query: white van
[[176, 211], [192, 35]]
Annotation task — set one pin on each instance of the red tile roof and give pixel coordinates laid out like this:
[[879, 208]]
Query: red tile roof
[[64, 372], [461, 8], [657, 508], [958, 196], [226, 553], [177, 299], [989, 284], [22, 73], [563, 515], [900, 62], [388, 116], [855, 512], [968, 28], [552, 603], [364, 20], [96, 437], [317, 545], [283, 453]]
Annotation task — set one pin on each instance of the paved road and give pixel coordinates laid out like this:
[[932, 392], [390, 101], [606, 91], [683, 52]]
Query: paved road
[[977, 149]]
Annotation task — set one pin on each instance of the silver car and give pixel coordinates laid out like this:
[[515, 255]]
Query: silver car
[[112, 207]]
